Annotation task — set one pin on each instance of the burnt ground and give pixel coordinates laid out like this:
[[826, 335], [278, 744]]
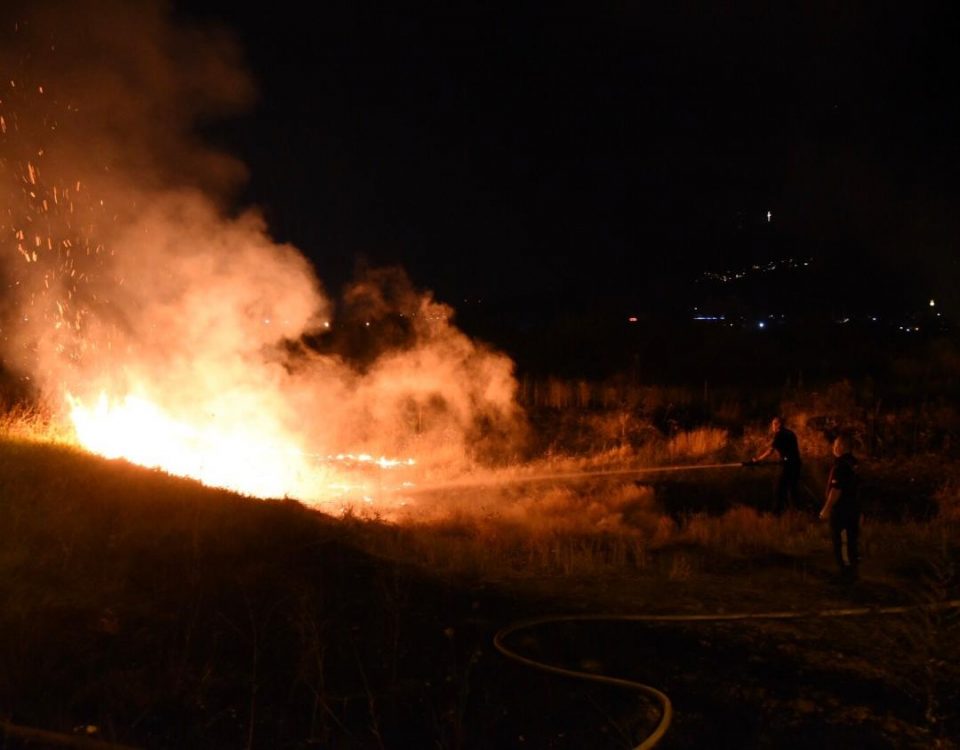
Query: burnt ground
[[171, 616]]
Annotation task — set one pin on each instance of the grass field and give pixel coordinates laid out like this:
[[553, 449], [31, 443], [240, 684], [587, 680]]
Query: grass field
[[151, 611]]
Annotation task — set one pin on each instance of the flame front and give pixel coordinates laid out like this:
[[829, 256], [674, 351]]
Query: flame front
[[219, 453], [190, 340], [140, 431]]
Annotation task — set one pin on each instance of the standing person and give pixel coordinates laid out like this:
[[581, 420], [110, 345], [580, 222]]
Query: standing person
[[842, 507], [784, 442]]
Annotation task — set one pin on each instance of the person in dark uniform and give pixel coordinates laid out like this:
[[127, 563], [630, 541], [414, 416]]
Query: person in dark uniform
[[784, 442], [842, 508]]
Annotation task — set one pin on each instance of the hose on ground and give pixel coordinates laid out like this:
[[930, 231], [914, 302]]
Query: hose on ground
[[666, 707], [44, 738]]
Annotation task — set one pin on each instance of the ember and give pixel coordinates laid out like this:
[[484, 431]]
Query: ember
[[177, 334]]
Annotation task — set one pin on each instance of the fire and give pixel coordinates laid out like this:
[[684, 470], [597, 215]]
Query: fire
[[254, 462], [190, 340]]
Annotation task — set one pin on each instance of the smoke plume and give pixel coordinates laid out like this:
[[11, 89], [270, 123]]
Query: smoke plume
[[178, 334]]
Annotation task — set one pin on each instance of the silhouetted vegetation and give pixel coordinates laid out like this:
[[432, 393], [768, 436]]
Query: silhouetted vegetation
[[164, 614]]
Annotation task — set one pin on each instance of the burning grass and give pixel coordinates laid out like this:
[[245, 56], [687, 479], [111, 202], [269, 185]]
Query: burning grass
[[182, 336], [169, 614]]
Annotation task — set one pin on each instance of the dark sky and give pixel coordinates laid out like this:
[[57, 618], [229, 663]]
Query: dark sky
[[560, 154]]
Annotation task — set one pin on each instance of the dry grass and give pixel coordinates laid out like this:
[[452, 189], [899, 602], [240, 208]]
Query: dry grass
[[194, 604], [594, 533], [697, 443], [36, 424], [592, 529]]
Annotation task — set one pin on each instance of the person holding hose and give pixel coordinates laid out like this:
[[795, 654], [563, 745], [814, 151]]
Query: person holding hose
[[784, 442], [842, 508]]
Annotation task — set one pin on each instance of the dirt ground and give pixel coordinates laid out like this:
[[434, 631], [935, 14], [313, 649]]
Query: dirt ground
[[165, 615], [875, 681]]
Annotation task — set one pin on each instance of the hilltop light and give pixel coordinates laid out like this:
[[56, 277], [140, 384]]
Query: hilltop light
[[761, 324], [933, 303], [632, 319]]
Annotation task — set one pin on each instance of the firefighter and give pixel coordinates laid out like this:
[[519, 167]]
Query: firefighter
[[842, 508], [784, 442]]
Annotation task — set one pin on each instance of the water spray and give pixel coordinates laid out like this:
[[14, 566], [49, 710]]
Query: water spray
[[574, 476]]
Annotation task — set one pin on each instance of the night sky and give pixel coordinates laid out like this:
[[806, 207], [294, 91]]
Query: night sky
[[560, 157]]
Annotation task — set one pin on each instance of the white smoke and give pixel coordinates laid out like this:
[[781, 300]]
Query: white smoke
[[124, 274]]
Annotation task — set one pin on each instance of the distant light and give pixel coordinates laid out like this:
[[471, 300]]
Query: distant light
[[326, 324], [367, 324], [933, 303], [632, 319], [761, 324], [769, 216]]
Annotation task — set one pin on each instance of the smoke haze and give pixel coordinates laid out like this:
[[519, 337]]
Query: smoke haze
[[178, 334]]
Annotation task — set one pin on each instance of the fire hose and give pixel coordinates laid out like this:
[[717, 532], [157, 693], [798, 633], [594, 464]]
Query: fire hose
[[43, 738], [571, 476], [666, 706]]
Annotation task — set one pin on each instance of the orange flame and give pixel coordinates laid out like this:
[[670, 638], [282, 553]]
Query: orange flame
[[250, 460], [124, 273]]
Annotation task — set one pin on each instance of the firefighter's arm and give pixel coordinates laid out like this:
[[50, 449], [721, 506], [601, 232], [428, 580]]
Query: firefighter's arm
[[763, 455], [832, 496]]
